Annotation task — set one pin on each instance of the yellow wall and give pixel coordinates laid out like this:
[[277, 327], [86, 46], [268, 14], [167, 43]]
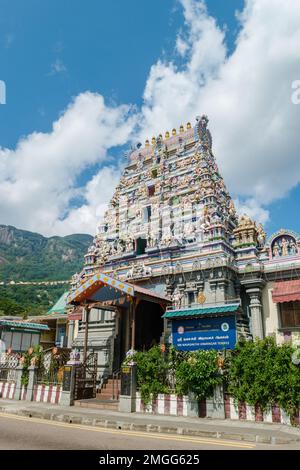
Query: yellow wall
[[271, 316], [270, 313]]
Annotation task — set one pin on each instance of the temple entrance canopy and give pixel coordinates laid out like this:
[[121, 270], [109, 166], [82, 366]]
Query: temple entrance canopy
[[140, 309]]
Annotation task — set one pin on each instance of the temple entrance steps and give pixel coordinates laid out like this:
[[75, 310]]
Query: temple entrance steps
[[106, 399], [110, 390]]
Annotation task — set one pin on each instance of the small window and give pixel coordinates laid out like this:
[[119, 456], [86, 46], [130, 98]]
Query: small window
[[191, 298], [6, 338], [147, 214], [290, 314], [35, 339], [26, 341], [16, 341], [101, 315], [151, 190], [141, 244]]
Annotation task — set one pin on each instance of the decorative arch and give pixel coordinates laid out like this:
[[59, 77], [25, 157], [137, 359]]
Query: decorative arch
[[283, 243]]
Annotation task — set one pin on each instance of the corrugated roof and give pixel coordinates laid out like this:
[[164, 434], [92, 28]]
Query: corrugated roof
[[60, 306], [24, 324], [193, 312], [50, 316]]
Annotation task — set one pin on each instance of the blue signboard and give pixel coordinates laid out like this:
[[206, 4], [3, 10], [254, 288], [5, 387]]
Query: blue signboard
[[204, 333]]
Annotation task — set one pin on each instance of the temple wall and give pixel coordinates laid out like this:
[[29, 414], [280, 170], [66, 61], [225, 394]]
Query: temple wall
[[271, 318], [270, 313]]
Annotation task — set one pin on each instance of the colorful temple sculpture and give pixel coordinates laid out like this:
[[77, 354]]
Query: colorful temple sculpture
[[173, 263]]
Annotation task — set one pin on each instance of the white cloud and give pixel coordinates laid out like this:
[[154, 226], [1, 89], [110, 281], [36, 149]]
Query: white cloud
[[181, 46], [251, 208], [38, 179], [247, 96], [97, 194], [171, 94]]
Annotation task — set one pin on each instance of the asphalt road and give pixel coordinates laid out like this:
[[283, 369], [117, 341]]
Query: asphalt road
[[23, 433]]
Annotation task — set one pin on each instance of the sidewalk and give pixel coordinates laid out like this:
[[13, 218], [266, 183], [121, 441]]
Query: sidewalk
[[223, 429]]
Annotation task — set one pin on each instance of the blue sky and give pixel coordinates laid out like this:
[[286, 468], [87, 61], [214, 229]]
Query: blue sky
[[53, 51], [101, 46]]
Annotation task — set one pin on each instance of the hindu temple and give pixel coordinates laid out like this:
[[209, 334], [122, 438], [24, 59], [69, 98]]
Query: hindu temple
[[173, 263]]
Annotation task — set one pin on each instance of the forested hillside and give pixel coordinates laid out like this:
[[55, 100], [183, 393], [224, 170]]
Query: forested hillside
[[27, 256]]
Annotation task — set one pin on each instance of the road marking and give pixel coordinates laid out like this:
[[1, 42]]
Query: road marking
[[169, 437]]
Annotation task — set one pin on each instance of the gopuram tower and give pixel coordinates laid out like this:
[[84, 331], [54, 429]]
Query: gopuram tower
[[169, 213], [171, 228], [171, 220]]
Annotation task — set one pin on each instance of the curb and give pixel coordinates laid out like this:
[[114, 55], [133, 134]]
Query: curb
[[125, 426]]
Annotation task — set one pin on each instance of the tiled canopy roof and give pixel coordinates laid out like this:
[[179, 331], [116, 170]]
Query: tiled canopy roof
[[195, 312]]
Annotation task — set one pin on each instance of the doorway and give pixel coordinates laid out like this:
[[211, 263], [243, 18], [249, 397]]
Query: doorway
[[149, 325]]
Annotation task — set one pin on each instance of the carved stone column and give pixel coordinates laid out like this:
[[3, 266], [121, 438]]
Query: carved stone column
[[256, 312]]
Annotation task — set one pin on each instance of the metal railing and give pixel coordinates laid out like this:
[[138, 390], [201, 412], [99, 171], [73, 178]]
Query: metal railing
[[86, 378], [51, 366], [8, 366]]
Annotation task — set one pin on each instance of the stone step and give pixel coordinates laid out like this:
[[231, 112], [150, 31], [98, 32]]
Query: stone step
[[111, 385], [110, 388], [98, 404], [105, 396], [110, 382], [107, 392]]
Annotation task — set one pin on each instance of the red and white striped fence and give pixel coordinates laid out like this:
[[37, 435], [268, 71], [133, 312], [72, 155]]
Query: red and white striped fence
[[7, 390], [163, 405], [244, 412], [41, 393], [47, 393], [173, 405]]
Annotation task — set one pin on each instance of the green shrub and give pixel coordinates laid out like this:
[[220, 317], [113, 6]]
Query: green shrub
[[198, 373], [262, 373], [35, 353], [152, 369]]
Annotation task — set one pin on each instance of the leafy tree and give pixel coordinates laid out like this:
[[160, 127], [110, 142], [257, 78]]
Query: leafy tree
[[11, 307]]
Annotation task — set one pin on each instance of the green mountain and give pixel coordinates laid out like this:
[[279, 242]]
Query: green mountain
[[27, 256]]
